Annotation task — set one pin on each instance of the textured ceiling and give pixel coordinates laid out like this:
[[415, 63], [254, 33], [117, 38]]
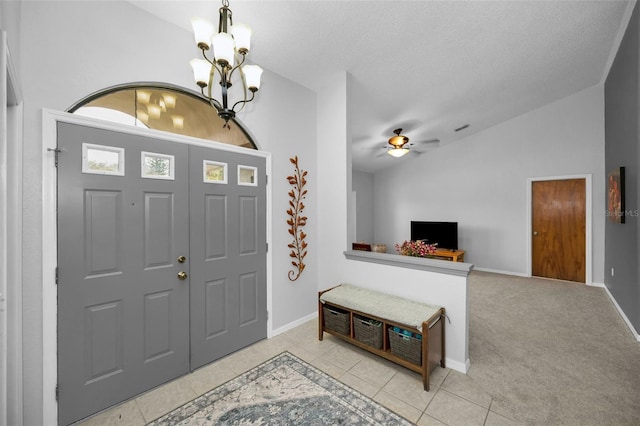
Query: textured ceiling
[[427, 66]]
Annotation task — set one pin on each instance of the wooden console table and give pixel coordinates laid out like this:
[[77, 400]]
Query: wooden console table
[[453, 255]]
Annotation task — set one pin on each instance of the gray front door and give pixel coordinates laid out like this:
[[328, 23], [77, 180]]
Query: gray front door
[[125, 324], [123, 318], [228, 252]]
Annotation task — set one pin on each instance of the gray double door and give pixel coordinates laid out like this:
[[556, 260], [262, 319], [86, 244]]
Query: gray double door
[[161, 262]]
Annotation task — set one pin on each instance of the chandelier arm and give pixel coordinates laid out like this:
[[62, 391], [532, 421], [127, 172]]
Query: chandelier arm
[[239, 65], [206, 58], [243, 102]]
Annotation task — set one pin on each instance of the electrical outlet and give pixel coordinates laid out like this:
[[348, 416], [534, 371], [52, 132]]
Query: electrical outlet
[[612, 272]]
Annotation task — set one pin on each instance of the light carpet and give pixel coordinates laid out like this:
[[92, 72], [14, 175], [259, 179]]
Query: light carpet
[[282, 391], [552, 352]]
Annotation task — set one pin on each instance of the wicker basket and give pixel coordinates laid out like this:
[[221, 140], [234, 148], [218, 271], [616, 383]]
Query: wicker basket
[[406, 347], [368, 331], [336, 320]]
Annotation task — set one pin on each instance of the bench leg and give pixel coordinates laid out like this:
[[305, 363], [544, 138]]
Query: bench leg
[[320, 321]]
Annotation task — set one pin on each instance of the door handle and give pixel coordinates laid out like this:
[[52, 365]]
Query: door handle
[[181, 259], [535, 233], [182, 275]]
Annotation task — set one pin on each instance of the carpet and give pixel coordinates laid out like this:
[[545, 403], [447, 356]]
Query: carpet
[[552, 352], [284, 391]]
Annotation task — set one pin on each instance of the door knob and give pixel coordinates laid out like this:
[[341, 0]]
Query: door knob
[[535, 233], [182, 275], [181, 259]]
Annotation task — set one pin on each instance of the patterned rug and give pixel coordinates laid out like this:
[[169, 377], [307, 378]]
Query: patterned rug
[[282, 391]]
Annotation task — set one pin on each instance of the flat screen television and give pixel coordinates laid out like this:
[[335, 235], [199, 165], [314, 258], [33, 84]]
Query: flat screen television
[[445, 234]]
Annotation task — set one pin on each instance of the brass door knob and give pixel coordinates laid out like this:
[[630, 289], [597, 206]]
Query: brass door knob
[[181, 259], [182, 275]]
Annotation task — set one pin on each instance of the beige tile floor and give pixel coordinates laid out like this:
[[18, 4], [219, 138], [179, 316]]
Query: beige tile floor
[[452, 400]]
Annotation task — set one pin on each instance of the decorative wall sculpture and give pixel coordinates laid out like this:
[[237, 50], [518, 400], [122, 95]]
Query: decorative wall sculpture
[[296, 220]]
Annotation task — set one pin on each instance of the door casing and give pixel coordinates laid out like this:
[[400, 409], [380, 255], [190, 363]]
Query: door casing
[[589, 213], [50, 118]]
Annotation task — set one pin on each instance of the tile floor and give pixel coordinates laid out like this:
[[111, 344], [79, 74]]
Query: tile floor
[[452, 400]]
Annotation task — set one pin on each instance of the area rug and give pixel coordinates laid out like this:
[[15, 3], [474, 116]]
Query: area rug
[[282, 391]]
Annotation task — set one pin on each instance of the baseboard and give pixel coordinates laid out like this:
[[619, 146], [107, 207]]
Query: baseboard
[[498, 271], [293, 324], [458, 366], [622, 314], [601, 285]]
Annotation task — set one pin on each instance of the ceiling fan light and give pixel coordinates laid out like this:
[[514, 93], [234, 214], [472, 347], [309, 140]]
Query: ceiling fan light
[[398, 141], [397, 152]]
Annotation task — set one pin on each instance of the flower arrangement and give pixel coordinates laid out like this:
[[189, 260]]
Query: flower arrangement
[[416, 248]]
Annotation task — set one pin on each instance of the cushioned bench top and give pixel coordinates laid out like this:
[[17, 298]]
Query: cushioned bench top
[[381, 305]]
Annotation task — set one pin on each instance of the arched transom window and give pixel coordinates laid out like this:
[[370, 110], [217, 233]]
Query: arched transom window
[[162, 107]]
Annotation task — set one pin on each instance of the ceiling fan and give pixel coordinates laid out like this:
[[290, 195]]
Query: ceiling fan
[[398, 145]]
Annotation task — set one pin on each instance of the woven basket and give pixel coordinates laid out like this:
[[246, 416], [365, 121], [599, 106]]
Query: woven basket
[[406, 347], [336, 320], [368, 331]]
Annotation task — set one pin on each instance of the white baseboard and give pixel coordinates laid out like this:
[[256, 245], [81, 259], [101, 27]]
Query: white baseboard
[[293, 324], [498, 271], [622, 314], [596, 285], [458, 366]]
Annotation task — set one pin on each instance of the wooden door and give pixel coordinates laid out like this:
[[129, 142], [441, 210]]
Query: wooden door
[[559, 229]]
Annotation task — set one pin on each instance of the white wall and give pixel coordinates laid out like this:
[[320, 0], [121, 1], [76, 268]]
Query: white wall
[[439, 289], [86, 46], [363, 186], [481, 181]]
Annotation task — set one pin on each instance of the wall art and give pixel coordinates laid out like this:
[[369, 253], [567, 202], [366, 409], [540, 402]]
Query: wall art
[[296, 220]]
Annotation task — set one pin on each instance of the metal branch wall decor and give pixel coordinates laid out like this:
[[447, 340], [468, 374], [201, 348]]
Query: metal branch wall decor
[[296, 220]]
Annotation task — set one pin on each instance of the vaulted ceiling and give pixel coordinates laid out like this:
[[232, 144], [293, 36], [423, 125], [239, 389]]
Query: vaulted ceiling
[[427, 66]]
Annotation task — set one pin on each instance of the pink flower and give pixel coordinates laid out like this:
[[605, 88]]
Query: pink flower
[[416, 248]]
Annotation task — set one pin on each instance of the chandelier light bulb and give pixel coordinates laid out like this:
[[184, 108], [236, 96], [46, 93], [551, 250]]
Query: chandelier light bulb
[[202, 30], [201, 70], [223, 49], [242, 37], [252, 75]]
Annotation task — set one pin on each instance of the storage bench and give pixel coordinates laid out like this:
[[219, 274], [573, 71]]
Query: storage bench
[[412, 333], [403, 331]]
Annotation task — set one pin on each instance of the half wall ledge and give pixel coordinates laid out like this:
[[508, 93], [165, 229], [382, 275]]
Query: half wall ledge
[[461, 269]]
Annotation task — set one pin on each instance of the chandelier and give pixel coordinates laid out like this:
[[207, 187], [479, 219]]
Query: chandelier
[[230, 47]]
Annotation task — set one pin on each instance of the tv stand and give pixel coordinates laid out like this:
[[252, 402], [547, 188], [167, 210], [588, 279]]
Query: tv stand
[[448, 254]]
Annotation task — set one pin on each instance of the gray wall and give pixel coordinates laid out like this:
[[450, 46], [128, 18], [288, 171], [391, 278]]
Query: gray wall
[[362, 184], [622, 98]]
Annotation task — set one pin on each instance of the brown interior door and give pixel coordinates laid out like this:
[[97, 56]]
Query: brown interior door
[[559, 229]]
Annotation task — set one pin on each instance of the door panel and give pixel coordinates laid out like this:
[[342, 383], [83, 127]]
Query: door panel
[[122, 313], [559, 229], [228, 259]]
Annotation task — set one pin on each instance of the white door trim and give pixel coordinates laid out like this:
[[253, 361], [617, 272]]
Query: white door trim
[[11, 401], [588, 225], [50, 119]]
